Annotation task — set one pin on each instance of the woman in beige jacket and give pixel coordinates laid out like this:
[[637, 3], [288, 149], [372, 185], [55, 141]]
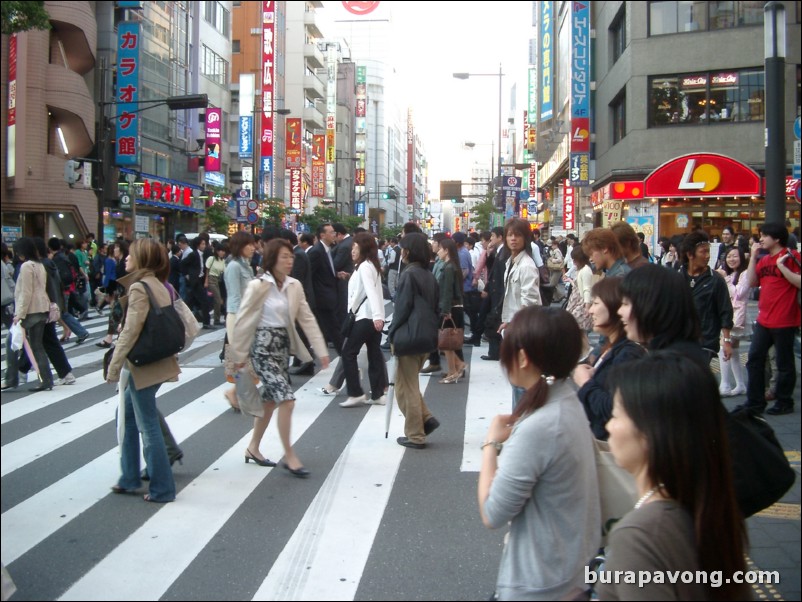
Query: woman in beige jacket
[[146, 258], [31, 305], [265, 333]]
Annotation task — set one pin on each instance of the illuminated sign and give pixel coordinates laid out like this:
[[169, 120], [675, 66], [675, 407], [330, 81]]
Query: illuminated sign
[[704, 174]]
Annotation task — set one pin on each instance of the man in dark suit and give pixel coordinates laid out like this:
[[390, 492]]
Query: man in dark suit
[[344, 266], [194, 269], [301, 271], [324, 284]]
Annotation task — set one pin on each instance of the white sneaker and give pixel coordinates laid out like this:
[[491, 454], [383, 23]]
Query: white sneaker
[[725, 391], [738, 390], [69, 379], [353, 402], [326, 391], [23, 378], [381, 401]]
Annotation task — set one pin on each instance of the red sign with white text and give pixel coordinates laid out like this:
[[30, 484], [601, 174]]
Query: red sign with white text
[[568, 206], [700, 175]]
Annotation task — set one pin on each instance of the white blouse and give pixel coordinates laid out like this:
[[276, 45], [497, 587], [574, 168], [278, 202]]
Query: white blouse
[[276, 310]]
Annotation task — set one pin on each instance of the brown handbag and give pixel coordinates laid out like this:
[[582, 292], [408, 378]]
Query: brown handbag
[[450, 339]]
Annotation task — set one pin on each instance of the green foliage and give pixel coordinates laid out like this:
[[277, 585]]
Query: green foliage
[[352, 221], [387, 232], [480, 215], [273, 211], [23, 16], [216, 218], [320, 215]]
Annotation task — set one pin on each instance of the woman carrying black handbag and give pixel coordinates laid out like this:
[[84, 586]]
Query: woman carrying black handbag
[[412, 336]]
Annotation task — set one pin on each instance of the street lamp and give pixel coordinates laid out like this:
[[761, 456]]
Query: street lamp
[[774, 140], [500, 75]]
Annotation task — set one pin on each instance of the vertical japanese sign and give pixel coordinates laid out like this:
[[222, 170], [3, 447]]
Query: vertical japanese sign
[[245, 136], [546, 59], [293, 142], [126, 149], [246, 97], [569, 221], [11, 129], [410, 161], [331, 122], [296, 189], [580, 94], [268, 70], [361, 130], [318, 165], [213, 139]]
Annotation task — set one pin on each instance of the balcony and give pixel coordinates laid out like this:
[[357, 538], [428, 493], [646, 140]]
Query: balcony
[[310, 22], [313, 87], [314, 119], [313, 56]]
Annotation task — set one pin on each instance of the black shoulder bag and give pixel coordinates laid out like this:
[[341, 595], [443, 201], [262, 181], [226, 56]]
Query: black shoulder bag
[[162, 335]]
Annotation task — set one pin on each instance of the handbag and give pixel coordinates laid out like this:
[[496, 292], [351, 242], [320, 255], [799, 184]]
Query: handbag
[[162, 335], [545, 276], [248, 396], [348, 325], [53, 313], [107, 362], [450, 339], [617, 489], [191, 326], [761, 472]]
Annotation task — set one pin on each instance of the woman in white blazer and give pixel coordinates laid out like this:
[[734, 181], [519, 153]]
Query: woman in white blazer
[[366, 302], [265, 333]]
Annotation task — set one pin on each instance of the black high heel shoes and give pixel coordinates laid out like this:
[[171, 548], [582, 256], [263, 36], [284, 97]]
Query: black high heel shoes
[[301, 472], [249, 456]]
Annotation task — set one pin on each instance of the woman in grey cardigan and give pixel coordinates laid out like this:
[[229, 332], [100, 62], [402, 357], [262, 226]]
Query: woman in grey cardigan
[[544, 483], [237, 275]]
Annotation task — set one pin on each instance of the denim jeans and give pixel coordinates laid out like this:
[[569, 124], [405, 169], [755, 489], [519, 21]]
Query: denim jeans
[[73, 324], [783, 341], [141, 416]]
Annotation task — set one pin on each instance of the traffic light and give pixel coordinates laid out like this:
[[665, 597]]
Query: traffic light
[[72, 172], [465, 214]]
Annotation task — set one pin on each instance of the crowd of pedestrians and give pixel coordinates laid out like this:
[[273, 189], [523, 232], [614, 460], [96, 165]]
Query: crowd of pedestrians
[[659, 317]]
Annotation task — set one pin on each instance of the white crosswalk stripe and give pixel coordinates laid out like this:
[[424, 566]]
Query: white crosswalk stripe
[[325, 554]]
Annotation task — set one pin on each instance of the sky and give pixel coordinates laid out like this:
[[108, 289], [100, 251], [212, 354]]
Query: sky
[[433, 40]]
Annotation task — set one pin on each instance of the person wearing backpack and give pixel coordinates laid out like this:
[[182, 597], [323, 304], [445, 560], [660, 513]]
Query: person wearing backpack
[[66, 273]]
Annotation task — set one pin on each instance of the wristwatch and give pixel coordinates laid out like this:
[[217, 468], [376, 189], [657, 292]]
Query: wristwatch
[[726, 339], [495, 444]]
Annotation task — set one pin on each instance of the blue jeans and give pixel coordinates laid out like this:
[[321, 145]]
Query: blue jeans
[[141, 416], [73, 324], [783, 341]]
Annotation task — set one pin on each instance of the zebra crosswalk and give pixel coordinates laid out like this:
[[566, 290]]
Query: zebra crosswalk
[[375, 520]]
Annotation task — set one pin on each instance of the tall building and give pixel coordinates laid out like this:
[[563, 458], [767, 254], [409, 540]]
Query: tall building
[[678, 114]]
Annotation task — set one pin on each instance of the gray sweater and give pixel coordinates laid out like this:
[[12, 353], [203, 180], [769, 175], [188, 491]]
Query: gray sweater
[[546, 485]]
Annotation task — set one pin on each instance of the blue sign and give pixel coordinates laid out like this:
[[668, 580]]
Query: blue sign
[[253, 217], [215, 178], [546, 59], [524, 195], [127, 145], [797, 127], [580, 64], [246, 136], [359, 207]]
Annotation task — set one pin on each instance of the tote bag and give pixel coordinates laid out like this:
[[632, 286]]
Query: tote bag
[[162, 336], [617, 489]]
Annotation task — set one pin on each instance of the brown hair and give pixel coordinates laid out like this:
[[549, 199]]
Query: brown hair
[[368, 250], [239, 241], [272, 250], [627, 237], [149, 254], [608, 290], [521, 227], [534, 330], [600, 239]]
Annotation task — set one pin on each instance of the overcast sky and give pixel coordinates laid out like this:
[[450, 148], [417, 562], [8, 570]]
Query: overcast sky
[[437, 39]]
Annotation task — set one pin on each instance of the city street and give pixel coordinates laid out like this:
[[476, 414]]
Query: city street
[[375, 521]]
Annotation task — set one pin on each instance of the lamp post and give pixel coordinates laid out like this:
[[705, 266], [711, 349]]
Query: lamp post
[[774, 139], [500, 75], [256, 148]]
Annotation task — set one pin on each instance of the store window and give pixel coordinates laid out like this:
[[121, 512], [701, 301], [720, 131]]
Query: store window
[[725, 15], [618, 35], [710, 97]]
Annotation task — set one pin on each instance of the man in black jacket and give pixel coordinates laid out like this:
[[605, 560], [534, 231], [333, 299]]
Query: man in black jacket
[[495, 293], [324, 283], [194, 271], [301, 271], [710, 294], [344, 267]]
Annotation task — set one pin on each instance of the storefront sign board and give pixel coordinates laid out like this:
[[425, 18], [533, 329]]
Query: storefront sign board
[[703, 174]]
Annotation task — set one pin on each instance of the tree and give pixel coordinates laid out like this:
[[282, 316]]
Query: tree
[[481, 213], [273, 212], [388, 232], [23, 16], [216, 218], [320, 215]]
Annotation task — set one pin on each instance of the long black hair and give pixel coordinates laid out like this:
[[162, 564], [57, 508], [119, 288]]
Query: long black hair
[[674, 403]]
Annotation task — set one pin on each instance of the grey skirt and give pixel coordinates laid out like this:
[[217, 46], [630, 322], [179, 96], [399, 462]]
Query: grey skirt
[[270, 357]]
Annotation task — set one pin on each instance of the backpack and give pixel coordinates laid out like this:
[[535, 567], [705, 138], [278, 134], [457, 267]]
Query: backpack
[[65, 270]]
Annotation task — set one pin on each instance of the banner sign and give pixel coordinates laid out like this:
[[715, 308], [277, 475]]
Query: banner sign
[[268, 70], [580, 94], [546, 55], [246, 137], [569, 221], [127, 146], [213, 139], [296, 189], [293, 142]]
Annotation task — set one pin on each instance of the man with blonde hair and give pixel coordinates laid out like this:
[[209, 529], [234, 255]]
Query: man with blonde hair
[[602, 247]]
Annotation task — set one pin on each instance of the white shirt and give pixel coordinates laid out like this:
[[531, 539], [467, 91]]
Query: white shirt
[[276, 310], [367, 285]]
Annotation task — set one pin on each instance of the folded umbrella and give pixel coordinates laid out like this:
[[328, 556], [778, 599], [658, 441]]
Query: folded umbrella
[[391, 368]]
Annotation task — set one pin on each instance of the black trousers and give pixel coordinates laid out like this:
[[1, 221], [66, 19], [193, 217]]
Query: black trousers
[[330, 327], [364, 333], [53, 349], [762, 340], [472, 301], [197, 298]]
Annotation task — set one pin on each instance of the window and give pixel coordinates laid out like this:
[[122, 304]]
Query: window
[[710, 97], [217, 16], [235, 49], [681, 17], [618, 108], [214, 66], [618, 35]]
